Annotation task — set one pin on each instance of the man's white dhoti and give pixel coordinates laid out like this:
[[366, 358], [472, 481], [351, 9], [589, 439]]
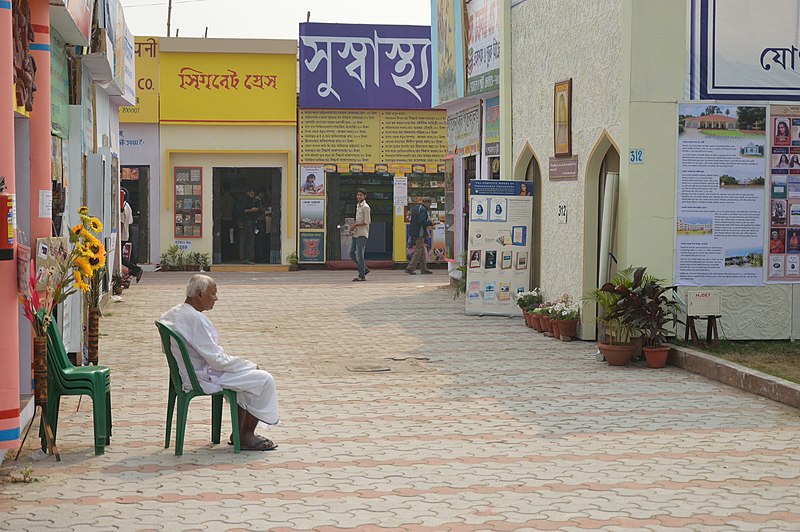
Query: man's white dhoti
[[255, 388]]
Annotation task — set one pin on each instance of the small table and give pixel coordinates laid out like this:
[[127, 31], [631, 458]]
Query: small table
[[711, 328]]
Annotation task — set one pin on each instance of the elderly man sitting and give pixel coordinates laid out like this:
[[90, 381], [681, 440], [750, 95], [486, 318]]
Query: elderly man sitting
[[255, 388]]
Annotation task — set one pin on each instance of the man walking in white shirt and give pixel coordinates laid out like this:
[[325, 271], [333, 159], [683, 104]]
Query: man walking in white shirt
[[360, 231]]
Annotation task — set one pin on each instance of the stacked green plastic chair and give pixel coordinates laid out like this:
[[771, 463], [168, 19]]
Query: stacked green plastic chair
[[177, 394], [65, 379]]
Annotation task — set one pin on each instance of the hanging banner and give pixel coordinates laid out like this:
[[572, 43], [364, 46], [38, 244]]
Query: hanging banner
[[783, 264], [727, 63], [447, 31], [483, 46], [499, 250], [464, 131], [491, 129], [720, 210], [363, 66], [59, 86]]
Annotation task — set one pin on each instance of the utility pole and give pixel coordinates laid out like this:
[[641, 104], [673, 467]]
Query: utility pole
[[169, 15]]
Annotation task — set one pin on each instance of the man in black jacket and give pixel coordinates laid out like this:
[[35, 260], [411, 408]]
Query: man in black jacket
[[418, 230]]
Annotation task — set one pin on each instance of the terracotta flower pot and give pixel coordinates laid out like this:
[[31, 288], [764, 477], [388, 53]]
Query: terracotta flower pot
[[554, 330], [656, 356], [567, 329], [536, 319], [617, 354], [545, 321], [527, 316]]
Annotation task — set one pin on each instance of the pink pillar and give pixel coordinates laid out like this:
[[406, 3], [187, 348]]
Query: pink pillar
[[9, 308], [41, 124]]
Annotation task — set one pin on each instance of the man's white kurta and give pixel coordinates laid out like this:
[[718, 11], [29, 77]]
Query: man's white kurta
[[255, 388]]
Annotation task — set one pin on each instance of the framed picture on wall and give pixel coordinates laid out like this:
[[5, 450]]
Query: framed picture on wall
[[562, 118]]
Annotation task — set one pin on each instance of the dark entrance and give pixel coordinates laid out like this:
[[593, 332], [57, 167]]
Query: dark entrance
[[136, 182], [342, 205], [230, 198]]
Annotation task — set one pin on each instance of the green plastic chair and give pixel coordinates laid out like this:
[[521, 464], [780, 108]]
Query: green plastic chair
[[65, 379], [176, 392]]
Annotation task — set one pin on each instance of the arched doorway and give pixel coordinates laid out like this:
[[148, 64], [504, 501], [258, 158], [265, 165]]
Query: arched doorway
[[600, 227], [527, 169]]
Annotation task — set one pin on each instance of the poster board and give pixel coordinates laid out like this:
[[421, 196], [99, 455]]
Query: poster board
[[499, 247], [783, 237], [188, 202], [722, 164], [311, 214]]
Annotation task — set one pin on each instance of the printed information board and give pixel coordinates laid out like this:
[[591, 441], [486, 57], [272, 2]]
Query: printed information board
[[499, 251], [722, 166]]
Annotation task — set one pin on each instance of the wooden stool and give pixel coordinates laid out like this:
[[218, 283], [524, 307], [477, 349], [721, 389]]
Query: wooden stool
[[711, 329]]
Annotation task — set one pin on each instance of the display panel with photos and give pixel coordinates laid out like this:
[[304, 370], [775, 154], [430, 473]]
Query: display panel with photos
[[188, 201], [784, 201]]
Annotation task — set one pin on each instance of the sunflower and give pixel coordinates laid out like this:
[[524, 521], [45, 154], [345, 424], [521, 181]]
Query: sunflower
[[83, 210], [77, 229], [79, 282], [82, 266], [93, 245], [97, 261], [95, 224]]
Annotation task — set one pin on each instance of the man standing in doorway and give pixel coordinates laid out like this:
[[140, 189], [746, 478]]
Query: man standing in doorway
[[360, 230], [125, 221], [252, 212], [418, 231]]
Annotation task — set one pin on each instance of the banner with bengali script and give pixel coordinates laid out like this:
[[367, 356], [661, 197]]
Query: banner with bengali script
[[363, 66], [744, 50], [483, 46], [412, 136], [228, 88], [491, 128], [146, 108]]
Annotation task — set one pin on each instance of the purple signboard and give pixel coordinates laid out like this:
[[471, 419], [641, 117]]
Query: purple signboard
[[360, 66]]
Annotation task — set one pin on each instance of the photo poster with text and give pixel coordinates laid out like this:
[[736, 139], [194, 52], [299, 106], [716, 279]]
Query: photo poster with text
[[783, 238], [499, 247], [719, 220]]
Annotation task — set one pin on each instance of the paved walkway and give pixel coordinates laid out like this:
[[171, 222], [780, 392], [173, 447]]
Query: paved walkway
[[481, 424]]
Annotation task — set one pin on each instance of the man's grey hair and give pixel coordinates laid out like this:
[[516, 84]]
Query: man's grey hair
[[198, 284]]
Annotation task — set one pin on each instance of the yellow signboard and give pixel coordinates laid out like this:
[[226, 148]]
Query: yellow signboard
[[361, 137], [228, 88], [146, 108]]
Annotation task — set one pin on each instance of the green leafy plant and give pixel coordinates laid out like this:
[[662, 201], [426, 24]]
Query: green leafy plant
[[644, 306], [613, 328], [293, 259], [205, 261], [460, 286]]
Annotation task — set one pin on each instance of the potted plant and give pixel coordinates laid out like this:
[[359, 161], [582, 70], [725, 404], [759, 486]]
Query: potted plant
[[615, 335], [644, 306], [544, 311], [565, 316], [539, 313], [528, 301], [205, 262], [294, 261]]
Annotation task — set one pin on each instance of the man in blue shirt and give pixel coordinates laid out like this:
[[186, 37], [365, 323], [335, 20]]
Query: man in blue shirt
[[418, 230]]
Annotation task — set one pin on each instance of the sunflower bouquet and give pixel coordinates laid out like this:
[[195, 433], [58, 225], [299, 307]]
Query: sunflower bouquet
[[78, 270]]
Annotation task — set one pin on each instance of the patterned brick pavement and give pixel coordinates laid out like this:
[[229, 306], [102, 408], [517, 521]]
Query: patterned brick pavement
[[481, 424]]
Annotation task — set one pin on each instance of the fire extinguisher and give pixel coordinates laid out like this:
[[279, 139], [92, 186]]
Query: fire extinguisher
[[8, 226]]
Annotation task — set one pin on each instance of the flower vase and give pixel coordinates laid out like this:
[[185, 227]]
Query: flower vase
[[567, 329], [40, 371], [93, 334]]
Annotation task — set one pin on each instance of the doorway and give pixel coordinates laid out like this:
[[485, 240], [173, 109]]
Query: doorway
[[600, 228], [135, 180], [230, 188], [342, 205]]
